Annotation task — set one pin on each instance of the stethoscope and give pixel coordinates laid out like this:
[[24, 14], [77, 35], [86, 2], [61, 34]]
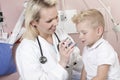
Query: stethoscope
[[43, 59]]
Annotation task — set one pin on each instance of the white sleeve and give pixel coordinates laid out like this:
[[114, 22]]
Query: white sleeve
[[30, 68], [106, 55]]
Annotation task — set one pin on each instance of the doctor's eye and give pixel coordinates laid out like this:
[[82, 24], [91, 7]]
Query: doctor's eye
[[49, 21], [56, 17]]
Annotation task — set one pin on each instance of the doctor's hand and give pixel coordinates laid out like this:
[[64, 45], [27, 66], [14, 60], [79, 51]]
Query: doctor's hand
[[65, 49]]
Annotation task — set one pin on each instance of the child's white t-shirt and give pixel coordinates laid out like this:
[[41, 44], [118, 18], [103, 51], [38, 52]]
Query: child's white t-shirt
[[101, 53]]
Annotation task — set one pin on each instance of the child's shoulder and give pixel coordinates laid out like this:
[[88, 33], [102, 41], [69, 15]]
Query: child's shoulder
[[106, 46]]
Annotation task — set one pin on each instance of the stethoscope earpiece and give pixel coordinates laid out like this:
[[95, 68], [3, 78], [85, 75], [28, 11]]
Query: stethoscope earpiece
[[43, 59]]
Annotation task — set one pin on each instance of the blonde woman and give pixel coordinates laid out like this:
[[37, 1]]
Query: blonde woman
[[46, 52]]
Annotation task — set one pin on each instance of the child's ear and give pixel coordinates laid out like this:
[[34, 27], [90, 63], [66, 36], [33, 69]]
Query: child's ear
[[100, 30]]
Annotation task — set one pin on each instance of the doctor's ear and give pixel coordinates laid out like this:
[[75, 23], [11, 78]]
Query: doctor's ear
[[34, 24]]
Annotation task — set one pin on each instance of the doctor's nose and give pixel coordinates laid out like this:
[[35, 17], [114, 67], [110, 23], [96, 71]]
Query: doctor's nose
[[55, 21]]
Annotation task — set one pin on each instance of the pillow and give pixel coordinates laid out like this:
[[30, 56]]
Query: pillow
[[7, 65]]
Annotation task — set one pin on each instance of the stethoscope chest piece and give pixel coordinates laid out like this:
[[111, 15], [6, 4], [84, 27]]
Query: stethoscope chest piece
[[43, 59]]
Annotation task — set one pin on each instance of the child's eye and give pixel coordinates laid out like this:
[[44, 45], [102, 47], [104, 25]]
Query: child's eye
[[84, 33]]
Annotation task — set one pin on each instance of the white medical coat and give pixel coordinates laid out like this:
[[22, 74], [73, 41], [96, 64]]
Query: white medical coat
[[29, 66]]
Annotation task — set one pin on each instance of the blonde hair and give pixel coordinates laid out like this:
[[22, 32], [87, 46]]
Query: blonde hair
[[94, 16], [32, 13]]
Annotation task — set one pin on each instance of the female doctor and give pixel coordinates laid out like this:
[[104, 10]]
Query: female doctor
[[45, 51]]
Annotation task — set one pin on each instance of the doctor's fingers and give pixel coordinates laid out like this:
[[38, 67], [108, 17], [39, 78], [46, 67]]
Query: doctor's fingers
[[65, 49], [66, 45], [62, 46], [69, 50]]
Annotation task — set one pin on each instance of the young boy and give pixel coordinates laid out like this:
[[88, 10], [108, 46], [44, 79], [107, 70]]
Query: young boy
[[99, 58]]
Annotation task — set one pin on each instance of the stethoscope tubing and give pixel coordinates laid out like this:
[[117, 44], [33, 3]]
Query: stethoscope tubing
[[43, 59]]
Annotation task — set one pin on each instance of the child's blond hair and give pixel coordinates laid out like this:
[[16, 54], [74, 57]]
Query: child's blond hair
[[94, 16]]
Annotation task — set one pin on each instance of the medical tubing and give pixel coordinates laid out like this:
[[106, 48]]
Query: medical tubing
[[40, 46]]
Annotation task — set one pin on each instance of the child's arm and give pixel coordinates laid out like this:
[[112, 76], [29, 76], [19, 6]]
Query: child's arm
[[83, 74], [102, 72]]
